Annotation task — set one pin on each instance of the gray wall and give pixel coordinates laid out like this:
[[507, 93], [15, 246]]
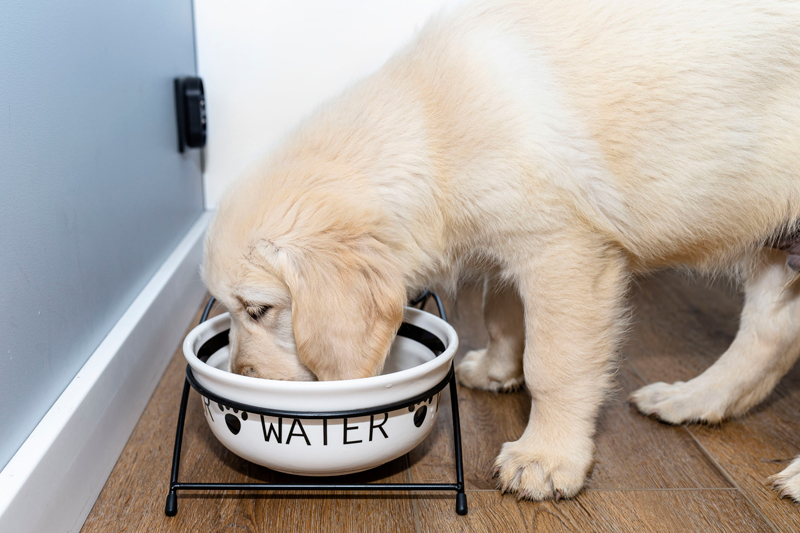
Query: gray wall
[[93, 193]]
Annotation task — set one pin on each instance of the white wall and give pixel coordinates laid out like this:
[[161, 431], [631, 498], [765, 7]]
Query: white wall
[[266, 64]]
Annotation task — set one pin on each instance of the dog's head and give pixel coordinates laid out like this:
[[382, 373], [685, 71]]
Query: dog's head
[[313, 290]]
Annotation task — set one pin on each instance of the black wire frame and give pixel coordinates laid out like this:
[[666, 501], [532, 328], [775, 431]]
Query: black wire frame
[[171, 508]]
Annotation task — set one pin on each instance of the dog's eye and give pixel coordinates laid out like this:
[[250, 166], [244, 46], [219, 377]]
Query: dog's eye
[[257, 311]]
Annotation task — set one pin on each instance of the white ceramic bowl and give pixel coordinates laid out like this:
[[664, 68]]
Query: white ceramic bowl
[[315, 437]]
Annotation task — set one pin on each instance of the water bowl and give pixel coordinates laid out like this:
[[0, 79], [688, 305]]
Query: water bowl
[[323, 428]]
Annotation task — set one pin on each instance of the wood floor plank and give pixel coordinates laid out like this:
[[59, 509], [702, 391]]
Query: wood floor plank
[[668, 511], [301, 512], [489, 511], [684, 326], [651, 511]]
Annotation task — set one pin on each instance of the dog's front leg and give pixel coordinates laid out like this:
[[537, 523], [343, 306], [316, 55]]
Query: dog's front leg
[[572, 290]]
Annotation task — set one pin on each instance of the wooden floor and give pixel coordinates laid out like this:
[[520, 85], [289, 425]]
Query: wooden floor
[[648, 476]]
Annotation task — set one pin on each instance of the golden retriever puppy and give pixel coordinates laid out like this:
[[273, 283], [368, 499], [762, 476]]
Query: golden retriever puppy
[[557, 147]]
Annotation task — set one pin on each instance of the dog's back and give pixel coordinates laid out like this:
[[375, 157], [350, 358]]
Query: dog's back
[[680, 119]]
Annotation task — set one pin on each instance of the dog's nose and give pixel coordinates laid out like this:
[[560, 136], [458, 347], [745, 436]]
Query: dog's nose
[[248, 371], [243, 369]]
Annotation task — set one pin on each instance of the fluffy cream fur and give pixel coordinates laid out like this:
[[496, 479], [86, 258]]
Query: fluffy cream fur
[[556, 147]]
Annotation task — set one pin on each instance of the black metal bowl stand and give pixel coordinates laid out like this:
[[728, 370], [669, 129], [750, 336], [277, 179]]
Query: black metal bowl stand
[[215, 343]]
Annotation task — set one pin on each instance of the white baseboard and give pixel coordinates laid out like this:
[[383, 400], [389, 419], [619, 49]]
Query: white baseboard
[[54, 479]]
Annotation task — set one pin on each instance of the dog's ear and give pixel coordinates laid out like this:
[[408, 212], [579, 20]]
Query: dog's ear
[[347, 304]]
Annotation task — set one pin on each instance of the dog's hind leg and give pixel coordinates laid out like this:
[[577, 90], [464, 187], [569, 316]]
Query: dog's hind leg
[[573, 289], [498, 367], [764, 349], [787, 483]]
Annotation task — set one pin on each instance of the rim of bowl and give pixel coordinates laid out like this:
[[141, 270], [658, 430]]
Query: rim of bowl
[[410, 315]]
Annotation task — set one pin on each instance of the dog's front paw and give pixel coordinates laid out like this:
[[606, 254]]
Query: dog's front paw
[[679, 402], [478, 370], [787, 482], [533, 472]]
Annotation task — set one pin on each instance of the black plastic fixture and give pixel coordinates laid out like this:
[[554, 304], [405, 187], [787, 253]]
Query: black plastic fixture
[[190, 106]]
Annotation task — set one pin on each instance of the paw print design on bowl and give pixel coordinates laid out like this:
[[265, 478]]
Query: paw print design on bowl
[[422, 411], [232, 420]]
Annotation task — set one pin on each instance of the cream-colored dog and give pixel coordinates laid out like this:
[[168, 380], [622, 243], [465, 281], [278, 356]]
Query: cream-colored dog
[[556, 147]]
